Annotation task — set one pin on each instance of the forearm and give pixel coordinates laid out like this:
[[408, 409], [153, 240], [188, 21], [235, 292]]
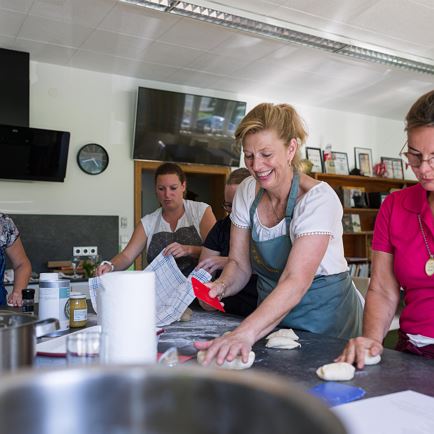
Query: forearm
[[272, 311], [21, 276], [194, 251], [234, 277], [378, 314], [121, 261]]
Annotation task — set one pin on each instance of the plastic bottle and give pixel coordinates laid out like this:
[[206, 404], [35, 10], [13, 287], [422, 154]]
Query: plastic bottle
[[28, 306]]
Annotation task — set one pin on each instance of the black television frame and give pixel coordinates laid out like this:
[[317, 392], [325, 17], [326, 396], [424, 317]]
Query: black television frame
[[230, 152], [16, 134]]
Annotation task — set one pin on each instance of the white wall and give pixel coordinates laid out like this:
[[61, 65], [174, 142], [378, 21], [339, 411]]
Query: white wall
[[97, 107]]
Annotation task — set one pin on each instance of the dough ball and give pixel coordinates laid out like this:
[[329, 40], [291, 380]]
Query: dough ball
[[282, 342], [186, 316], [284, 333], [339, 371], [237, 363], [371, 360]]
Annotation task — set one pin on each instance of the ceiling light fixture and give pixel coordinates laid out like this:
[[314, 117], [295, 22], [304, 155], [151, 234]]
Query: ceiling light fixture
[[282, 33]]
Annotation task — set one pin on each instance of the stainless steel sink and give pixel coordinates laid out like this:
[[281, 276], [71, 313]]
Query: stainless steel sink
[[158, 400]]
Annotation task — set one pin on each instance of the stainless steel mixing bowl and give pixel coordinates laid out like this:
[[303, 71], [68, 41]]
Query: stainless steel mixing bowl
[[158, 400]]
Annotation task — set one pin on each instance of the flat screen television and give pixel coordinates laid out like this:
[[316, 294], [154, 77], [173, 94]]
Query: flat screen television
[[33, 154], [186, 128]]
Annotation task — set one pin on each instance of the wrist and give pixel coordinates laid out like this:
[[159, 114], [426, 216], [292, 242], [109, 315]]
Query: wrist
[[108, 263]]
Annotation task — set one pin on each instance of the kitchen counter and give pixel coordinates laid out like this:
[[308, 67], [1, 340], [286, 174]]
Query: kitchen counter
[[396, 372]]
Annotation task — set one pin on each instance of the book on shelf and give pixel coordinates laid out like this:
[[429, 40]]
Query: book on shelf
[[359, 270], [351, 223], [352, 197]]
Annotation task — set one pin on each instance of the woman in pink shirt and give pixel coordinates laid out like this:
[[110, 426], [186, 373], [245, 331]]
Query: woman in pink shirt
[[403, 252]]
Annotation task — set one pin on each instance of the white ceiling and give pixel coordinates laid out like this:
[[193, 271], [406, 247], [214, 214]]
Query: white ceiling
[[114, 37]]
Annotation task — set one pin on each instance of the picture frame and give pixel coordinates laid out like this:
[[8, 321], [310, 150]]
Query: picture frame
[[341, 163], [314, 155], [394, 167], [363, 160]]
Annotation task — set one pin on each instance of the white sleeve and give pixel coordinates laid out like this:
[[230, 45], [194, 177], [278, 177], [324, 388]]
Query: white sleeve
[[148, 223], [319, 212], [244, 197], [196, 210]]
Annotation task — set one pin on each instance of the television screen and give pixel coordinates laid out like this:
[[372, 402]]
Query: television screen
[[33, 154], [185, 128]]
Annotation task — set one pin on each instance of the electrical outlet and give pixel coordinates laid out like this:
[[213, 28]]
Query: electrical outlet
[[85, 251]]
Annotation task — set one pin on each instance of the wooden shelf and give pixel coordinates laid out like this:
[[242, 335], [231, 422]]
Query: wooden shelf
[[360, 210], [358, 244], [359, 233]]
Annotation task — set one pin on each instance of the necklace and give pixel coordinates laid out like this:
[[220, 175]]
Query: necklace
[[274, 211], [429, 266]]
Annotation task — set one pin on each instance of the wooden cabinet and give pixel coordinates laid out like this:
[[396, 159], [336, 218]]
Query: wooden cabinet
[[207, 183], [357, 245]]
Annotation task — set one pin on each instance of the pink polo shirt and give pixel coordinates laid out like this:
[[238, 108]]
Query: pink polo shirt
[[397, 232]]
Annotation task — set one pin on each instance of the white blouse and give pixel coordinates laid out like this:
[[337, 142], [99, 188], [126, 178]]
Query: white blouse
[[154, 223], [317, 212]]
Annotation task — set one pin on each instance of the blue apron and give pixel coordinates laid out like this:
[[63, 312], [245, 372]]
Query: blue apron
[[331, 305]]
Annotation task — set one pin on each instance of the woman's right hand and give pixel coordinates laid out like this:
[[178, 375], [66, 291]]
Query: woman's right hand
[[356, 350], [103, 268]]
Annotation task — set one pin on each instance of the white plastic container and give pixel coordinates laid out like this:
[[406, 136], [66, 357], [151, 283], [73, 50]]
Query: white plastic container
[[53, 298]]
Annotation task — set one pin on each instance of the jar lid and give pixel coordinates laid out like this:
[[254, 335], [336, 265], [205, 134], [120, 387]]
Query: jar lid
[[77, 295], [28, 293]]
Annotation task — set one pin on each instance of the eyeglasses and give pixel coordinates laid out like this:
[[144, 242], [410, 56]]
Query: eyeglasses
[[415, 160], [227, 206]]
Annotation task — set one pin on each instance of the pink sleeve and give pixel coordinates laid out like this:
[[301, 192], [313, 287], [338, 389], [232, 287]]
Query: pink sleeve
[[381, 238]]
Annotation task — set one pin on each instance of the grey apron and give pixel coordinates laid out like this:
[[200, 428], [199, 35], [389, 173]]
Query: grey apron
[[330, 306], [187, 235]]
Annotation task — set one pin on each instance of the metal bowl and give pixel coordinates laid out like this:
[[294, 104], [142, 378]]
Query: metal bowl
[[158, 400]]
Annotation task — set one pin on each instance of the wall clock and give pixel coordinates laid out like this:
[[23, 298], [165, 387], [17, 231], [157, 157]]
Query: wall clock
[[92, 159]]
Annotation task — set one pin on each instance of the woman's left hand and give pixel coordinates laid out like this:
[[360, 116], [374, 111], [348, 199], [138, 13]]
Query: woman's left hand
[[15, 299], [227, 347], [177, 250]]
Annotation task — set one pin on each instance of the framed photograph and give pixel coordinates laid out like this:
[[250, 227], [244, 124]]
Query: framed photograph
[[363, 160], [341, 163], [394, 167], [315, 157]]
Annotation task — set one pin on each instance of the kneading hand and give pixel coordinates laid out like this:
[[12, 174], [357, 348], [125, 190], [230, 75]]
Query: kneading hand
[[15, 299], [177, 250], [226, 347], [213, 263], [356, 350]]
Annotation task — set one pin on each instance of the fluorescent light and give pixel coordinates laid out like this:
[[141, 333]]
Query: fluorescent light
[[282, 33]]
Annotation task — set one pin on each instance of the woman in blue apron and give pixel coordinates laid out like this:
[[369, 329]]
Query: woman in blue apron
[[12, 247], [286, 228], [178, 228]]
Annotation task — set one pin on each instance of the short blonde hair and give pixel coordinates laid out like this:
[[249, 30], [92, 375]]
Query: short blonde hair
[[281, 118]]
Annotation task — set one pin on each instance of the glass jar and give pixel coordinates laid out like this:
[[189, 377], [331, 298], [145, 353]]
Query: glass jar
[[77, 310], [28, 306]]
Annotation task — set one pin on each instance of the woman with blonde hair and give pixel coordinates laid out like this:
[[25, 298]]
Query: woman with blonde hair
[[286, 228]]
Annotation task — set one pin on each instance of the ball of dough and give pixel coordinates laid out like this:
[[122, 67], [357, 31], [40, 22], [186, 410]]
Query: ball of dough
[[282, 342], [339, 371], [237, 363], [371, 360], [284, 333]]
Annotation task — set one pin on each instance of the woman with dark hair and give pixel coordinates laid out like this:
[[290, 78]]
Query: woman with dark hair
[[178, 228], [403, 252], [12, 247]]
